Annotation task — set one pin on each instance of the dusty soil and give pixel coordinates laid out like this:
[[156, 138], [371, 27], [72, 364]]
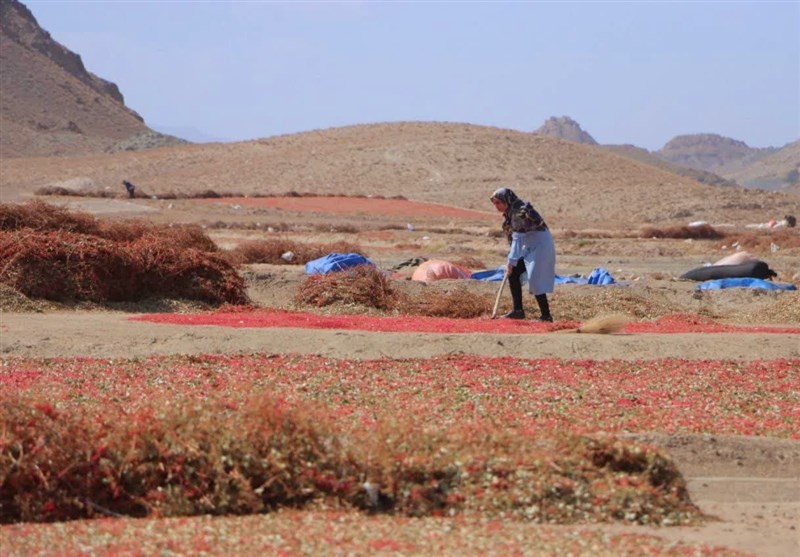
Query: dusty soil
[[751, 484]]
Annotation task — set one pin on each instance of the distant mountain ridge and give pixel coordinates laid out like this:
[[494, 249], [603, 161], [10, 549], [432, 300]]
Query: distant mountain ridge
[[51, 105], [705, 157], [645, 156], [712, 152]]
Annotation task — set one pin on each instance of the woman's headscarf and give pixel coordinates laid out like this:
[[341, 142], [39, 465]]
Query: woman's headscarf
[[527, 218], [507, 196]]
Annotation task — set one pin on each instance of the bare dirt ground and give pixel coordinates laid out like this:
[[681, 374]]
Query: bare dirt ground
[[752, 485]]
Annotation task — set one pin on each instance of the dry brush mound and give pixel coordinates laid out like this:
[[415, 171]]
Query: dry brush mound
[[48, 252], [365, 286], [65, 266], [284, 251], [44, 217]]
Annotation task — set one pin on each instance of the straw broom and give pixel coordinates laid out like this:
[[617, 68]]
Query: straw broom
[[601, 325]]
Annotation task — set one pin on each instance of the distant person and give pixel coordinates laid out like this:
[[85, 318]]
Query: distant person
[[130, 188], [532, 251]]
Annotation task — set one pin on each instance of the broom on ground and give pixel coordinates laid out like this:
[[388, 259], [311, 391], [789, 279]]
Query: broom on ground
[[601, 325]]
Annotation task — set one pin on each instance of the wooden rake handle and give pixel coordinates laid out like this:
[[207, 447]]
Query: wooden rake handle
[[499, 293]]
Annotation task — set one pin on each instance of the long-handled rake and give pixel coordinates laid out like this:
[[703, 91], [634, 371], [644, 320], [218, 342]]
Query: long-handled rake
[[497, 298]]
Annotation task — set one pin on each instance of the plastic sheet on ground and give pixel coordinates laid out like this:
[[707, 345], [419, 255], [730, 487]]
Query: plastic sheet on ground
[[743, 282], [490, 275], [335, 262], [598, 276]]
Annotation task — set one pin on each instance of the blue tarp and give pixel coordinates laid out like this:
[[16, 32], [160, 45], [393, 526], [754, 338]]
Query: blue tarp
[[599, 276], [743, 282], [335, 262], [490, 274], [571, 279]]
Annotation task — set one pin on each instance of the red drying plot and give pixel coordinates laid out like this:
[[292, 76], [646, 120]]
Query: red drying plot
[[272, 318], [197, 434], [291, 533], [582, 396]]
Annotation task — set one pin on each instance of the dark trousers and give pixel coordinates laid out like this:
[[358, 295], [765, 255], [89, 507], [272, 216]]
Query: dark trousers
[[515, 285]]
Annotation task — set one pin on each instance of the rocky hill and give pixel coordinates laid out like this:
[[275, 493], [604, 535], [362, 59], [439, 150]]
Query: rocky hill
[[565, 127], [645, 156], [776, 170], [51, 105], [711, 152], [568, 129], [707, 158]]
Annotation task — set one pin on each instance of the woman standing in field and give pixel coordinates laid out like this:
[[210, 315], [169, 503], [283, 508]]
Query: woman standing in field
[[532, 250]]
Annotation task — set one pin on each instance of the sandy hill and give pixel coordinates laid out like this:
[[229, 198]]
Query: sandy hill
[[50, 104], [575, 186]]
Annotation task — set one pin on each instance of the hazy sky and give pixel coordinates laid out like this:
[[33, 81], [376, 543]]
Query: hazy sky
[[628, 72]]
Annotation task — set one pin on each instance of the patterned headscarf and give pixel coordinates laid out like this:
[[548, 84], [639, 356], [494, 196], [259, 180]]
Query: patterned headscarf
[[519, 216]]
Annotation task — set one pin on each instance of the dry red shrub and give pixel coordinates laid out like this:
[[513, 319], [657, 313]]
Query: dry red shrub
[[180, 236], [456, 303], [40, 216], [369, 287], [363, 285], [700, 232], [761, 240], [591, 234], [169, 270], [271, 251], [66, 266]]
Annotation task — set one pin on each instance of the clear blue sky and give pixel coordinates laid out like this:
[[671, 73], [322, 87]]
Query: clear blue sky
[[627, 72]]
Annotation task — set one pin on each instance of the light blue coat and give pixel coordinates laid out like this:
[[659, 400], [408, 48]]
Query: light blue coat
[[539, 252]]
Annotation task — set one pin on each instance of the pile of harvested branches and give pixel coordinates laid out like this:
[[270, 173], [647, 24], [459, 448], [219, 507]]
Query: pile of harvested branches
[[67, 266], [363, 285], [457, 303], [43, 217], [369, 287], [273, 250], [699, 232]]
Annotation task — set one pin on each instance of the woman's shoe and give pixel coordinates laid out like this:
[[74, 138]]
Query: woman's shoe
[[515, 314], [546, 318]]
